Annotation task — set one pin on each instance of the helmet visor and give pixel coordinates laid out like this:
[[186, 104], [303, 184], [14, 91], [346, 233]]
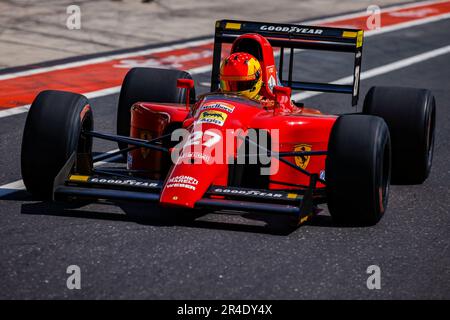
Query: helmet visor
[[237, 86]]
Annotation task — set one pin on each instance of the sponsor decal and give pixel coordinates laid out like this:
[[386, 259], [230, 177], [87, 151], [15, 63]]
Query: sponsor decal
[[186, 182], [272, 76], [302, 161], [145, 135], [123, 182], [271, 83], [196, 155], [248, 193], [291, 29], [356, 85], [129, 160], [219, 106], [322, 174], [212, 116]]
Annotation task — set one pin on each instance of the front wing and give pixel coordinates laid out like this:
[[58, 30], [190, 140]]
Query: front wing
[[296, 203]]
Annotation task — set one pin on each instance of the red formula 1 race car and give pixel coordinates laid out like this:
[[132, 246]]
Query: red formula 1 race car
[[223, 150]]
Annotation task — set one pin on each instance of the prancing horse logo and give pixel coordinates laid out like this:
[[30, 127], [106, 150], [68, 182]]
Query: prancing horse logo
[[302, 161], [145, 135]]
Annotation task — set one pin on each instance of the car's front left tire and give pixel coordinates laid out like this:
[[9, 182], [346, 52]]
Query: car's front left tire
[[358, 169], [51, 135]]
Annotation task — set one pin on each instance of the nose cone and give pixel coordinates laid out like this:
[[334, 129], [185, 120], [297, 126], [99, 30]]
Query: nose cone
[[205, 152], [187, 183]]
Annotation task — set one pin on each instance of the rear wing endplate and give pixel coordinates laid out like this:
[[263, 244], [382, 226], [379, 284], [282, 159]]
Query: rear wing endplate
[[291, 36]]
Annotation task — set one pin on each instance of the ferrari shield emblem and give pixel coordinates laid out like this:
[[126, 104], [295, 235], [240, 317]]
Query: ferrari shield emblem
[[145, 135], [302, 161]]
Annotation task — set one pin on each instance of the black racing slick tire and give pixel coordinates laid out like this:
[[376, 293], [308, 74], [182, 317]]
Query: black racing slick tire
[[411, 116], [148, 85], [358, 167], [52, 133]]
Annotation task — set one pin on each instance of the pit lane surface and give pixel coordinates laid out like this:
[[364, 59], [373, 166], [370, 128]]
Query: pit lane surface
[[131, 252]]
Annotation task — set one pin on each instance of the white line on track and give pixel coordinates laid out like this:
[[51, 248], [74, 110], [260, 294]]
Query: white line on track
[[18, 185], [13, 111], [383, 10], [381, 70], [11, 188], [203, 69]]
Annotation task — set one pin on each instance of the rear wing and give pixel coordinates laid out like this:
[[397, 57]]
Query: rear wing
[[290, 36]]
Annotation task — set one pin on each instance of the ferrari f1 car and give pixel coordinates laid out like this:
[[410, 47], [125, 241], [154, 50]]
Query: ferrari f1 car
[[282, 158]]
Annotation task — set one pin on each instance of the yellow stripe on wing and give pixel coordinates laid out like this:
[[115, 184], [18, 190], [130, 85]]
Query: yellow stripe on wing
[[78, 178], [234, 26]]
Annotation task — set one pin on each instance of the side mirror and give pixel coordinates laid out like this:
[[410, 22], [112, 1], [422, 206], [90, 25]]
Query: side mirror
[[187, 84], [188, 122], [282, 96]]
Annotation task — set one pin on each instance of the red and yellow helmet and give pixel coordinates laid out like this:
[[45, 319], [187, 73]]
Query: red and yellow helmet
[[241, 73]]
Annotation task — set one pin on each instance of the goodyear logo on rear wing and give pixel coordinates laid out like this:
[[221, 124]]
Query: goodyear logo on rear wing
[[291, 29], [212, 116]]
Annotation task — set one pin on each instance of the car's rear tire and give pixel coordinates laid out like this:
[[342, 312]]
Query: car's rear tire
[[52, 133], [358, 169], [148, 85], [410, 115]]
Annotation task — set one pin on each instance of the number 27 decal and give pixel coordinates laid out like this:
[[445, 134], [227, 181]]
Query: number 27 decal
[[209, 136]]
